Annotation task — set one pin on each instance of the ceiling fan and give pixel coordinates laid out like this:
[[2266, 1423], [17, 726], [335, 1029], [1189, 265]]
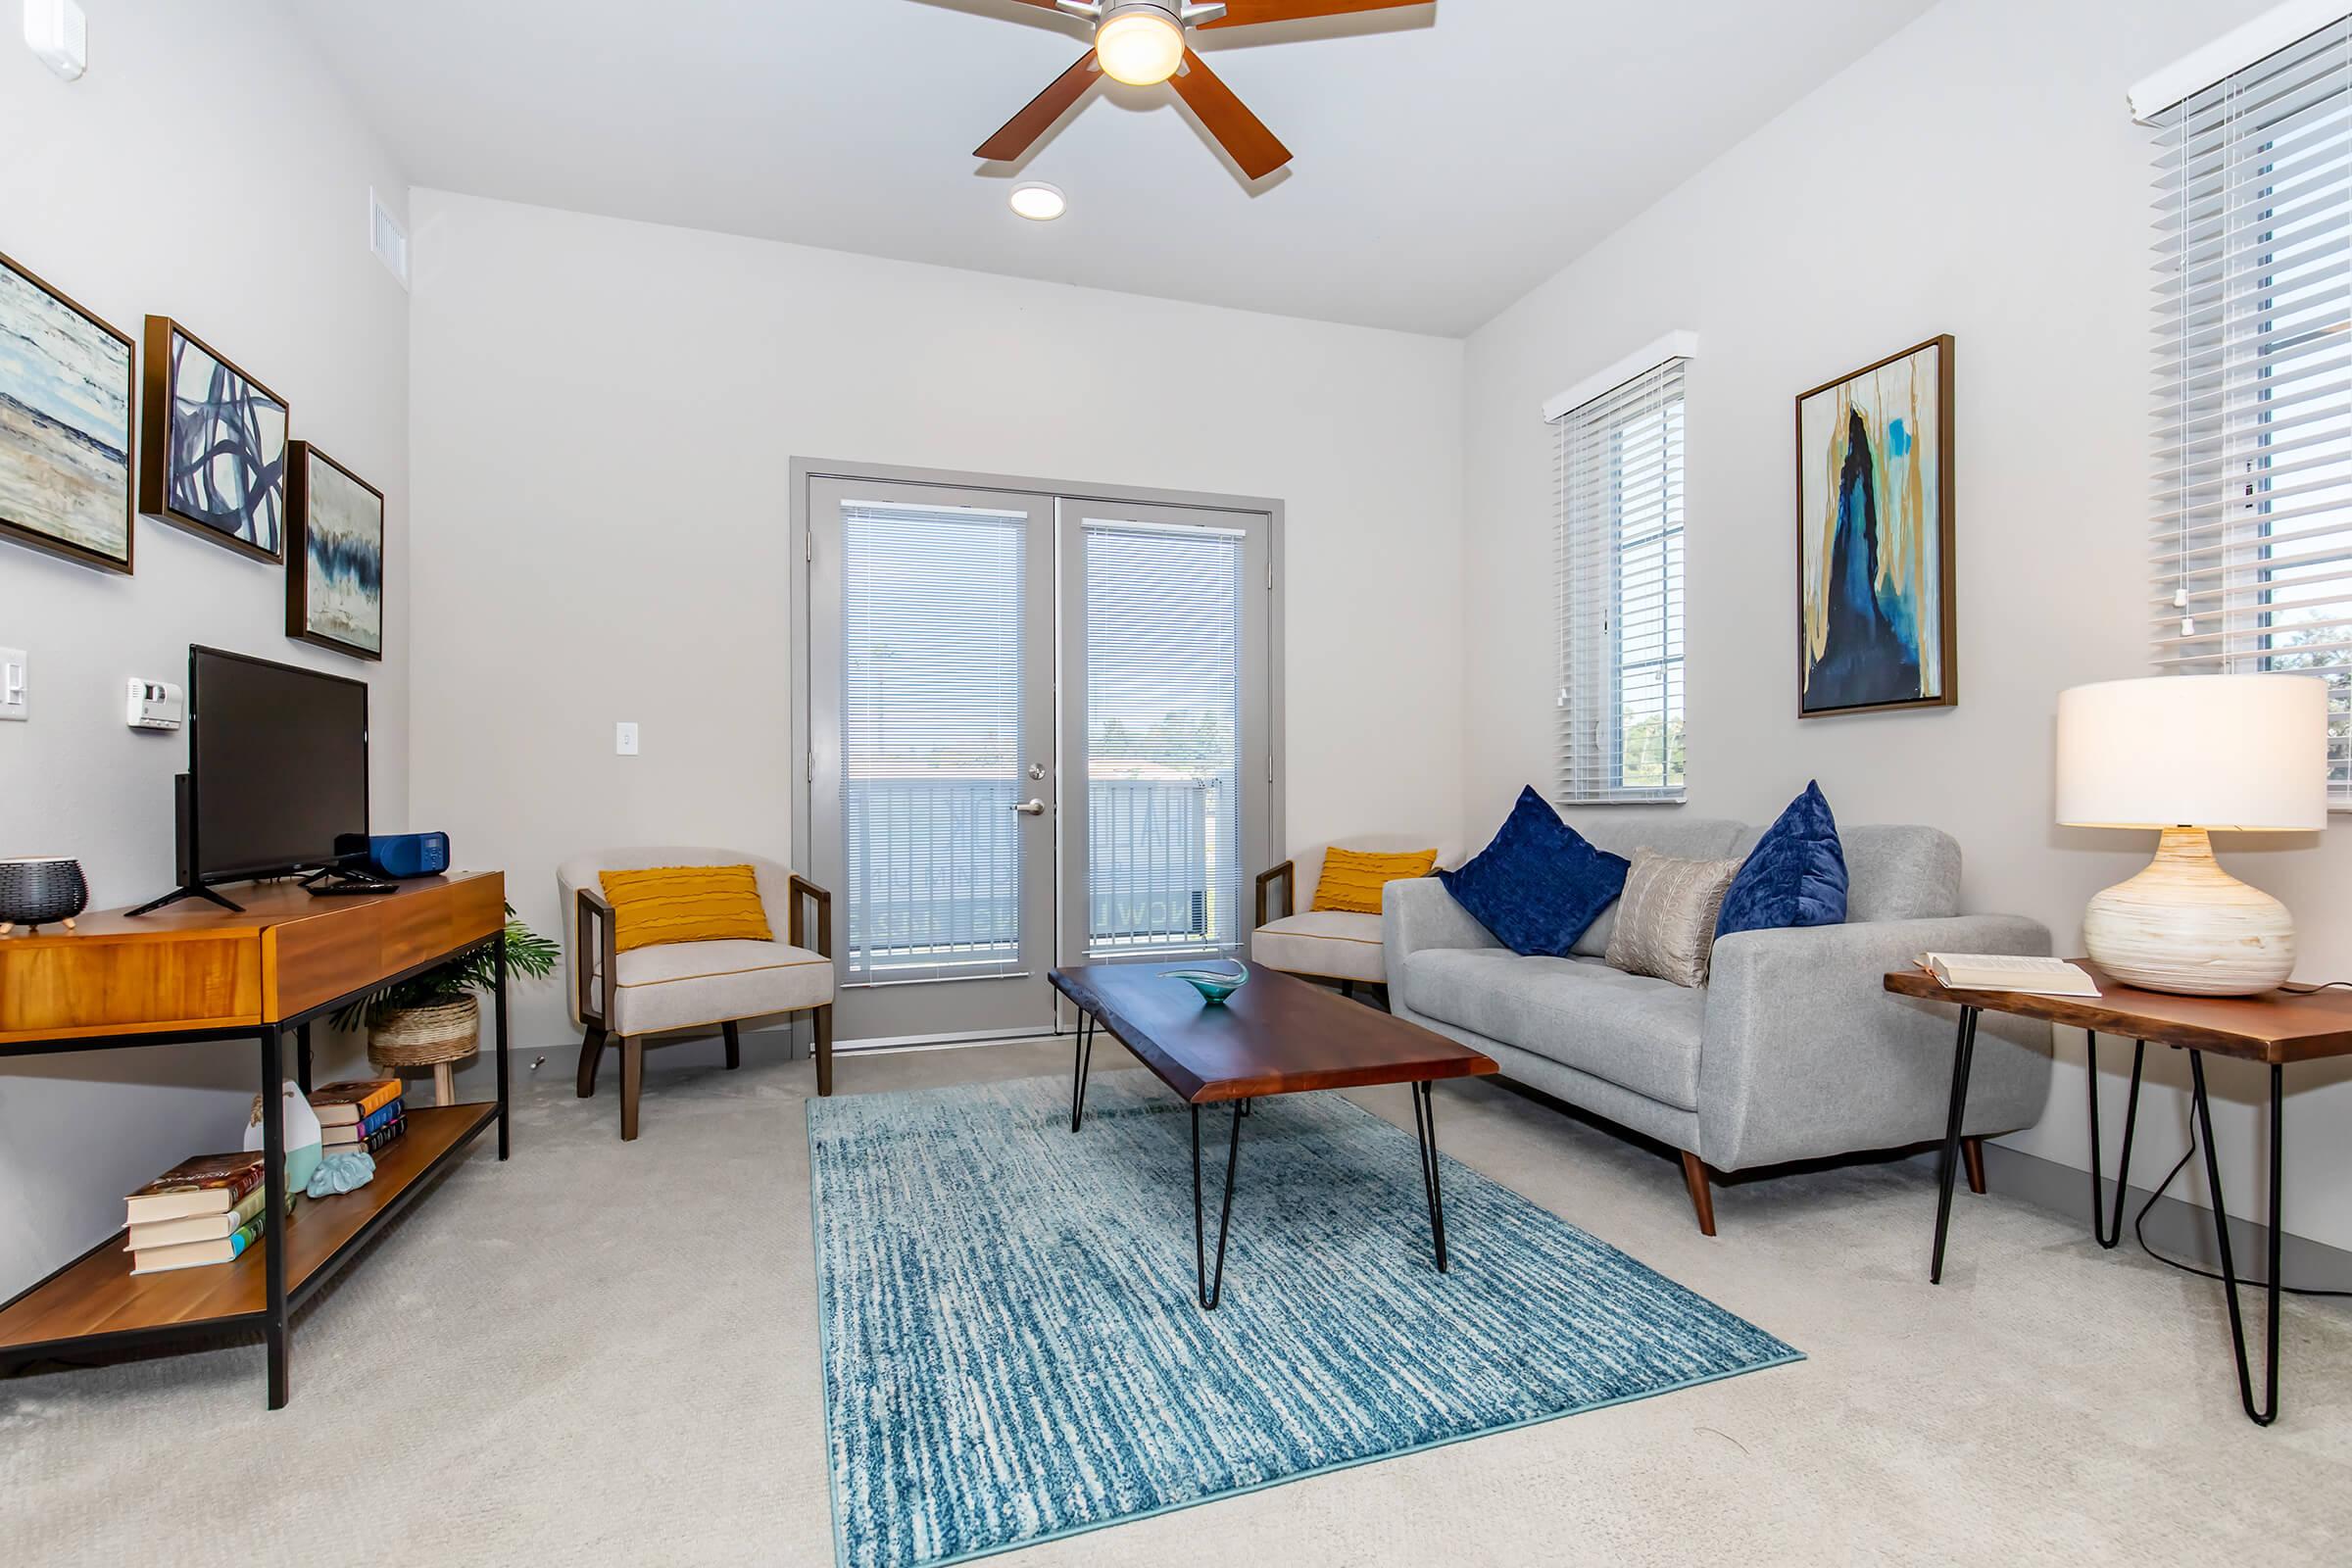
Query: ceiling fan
[[1143, 42]]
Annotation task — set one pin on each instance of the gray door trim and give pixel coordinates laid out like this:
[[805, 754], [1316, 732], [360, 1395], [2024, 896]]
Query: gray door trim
[[799, 685]]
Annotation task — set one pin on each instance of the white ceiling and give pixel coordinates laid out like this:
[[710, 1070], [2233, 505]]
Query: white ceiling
[[1449, 156]]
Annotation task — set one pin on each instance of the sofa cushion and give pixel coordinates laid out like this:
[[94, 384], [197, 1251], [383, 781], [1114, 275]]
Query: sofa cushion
[[1697, 837], [1335, 942], [1794, 876], [681, 985], [1635, 1032], [1539, 884]]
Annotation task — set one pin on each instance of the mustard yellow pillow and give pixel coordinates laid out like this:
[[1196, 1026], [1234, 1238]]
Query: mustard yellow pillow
[[1352, 878], [685, 903]]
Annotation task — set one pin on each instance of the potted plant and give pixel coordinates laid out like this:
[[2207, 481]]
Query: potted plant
[[435, 1019]]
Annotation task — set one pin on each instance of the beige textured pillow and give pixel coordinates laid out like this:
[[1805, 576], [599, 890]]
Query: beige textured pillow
[[1666, 919]]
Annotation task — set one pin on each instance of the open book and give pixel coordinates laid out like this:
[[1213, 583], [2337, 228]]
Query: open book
[[1992, 971]]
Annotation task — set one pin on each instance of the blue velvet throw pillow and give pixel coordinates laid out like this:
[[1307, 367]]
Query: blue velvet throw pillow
[[1796, 876], [1540, 883]]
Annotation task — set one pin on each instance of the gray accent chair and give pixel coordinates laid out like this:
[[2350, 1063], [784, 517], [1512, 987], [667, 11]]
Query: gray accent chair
[[622, 998], [1792, 1051]]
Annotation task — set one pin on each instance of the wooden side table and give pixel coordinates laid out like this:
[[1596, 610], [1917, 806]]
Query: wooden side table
[[2276, 1028]]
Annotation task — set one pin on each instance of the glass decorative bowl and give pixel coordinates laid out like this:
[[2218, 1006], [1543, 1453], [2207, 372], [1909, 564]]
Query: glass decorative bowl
[[1214, 985]]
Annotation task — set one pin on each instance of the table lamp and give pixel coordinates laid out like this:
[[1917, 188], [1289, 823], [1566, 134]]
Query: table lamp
[[2187, 754]]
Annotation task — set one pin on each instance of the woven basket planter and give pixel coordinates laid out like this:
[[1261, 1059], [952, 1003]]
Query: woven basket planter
[[429, 1037]]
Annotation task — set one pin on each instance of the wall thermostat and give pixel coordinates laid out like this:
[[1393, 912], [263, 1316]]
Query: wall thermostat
[[156, 705]]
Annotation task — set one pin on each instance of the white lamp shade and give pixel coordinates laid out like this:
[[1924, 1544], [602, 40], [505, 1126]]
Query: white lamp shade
[[2243, 752]]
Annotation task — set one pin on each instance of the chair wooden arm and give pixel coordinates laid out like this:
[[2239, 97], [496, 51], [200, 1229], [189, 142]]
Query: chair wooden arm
[[1287, 872], [801, 892], [594, 956]]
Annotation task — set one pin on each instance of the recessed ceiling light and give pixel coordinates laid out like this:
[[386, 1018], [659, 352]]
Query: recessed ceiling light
[[1039, 201]]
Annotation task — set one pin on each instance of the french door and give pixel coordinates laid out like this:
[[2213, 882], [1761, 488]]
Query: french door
[[1038, 733]]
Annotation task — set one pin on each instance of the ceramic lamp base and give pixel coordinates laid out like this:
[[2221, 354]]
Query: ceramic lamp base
[[2184, 925]]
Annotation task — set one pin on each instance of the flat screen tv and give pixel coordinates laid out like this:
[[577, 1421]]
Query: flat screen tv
[[277, 768]]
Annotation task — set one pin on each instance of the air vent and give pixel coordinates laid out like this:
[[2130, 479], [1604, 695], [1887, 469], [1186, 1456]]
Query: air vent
[[387, 238]]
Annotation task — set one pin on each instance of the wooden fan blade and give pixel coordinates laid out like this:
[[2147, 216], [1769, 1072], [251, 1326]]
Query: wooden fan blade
[[1228, 118], [1251, 13], [1021, 131]]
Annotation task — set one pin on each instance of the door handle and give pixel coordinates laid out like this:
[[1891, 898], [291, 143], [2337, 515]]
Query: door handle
[[1031, 807]]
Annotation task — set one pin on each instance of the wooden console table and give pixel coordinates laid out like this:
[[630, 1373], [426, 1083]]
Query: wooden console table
[[2274, 1028], [193, 973]]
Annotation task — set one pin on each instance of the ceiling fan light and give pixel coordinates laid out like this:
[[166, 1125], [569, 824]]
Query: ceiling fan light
[[1039, 202], [1141, 47]]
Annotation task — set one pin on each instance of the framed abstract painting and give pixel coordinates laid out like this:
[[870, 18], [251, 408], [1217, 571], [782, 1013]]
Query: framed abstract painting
[[66, 381], [1874, 537], [213, 456], [334, 556]]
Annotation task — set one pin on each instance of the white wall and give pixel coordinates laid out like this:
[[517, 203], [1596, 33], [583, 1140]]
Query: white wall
[[1977, 174], [134, 191], [603, 414]]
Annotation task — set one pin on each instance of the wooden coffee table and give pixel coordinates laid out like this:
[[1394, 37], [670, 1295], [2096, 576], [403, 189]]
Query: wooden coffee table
[[1278, 1035]]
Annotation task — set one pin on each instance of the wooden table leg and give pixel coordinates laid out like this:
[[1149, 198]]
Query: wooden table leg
[[632, 1084]]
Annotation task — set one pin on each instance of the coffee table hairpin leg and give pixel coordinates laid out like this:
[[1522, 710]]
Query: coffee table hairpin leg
[[1212, 1286], [1425, 1135], [1082, 1055]]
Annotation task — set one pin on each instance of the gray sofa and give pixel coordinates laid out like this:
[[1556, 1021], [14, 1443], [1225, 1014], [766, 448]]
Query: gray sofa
[[1792, 1051]]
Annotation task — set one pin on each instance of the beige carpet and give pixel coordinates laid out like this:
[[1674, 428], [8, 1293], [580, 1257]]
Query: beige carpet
[[607, 1354]]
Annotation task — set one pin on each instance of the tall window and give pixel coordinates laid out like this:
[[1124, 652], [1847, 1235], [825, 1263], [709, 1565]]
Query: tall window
[[2253, 524], [1619, 575]]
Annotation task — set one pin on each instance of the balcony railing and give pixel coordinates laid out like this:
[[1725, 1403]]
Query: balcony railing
[[934, 872]]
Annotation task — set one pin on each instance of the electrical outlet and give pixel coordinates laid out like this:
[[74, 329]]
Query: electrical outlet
[[624, 739], [14, 682]]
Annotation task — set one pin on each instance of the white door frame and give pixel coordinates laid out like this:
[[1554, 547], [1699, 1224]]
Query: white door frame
[[806, 662]]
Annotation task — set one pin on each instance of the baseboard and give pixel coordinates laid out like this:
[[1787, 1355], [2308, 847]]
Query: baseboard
[[2178, 1229], [478, 1079]]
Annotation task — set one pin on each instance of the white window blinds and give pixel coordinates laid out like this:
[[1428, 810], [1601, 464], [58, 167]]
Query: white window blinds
[[1163, 725], [1619, 561], [2253, 483], [931, 740]]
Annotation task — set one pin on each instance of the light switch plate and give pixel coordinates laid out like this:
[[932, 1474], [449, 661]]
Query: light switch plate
[[624, 739], [15, 681]]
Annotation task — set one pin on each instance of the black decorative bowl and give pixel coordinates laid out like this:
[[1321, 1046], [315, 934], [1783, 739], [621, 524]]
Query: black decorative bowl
[[37, 890]]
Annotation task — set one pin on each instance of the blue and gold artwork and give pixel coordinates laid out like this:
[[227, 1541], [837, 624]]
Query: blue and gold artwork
[[1874, 543]]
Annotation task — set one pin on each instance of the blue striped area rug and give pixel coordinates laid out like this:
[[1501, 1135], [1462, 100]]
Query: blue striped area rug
[[1013, 1351]]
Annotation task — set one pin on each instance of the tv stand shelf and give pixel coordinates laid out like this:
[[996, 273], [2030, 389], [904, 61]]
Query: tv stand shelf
[[195, 973]]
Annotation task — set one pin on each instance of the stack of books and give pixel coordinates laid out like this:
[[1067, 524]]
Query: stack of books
[[202, 1210], [360, 1117]]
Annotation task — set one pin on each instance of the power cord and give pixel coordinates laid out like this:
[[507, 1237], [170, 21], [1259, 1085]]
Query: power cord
[[2139, 1220], [2140, 1233]]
